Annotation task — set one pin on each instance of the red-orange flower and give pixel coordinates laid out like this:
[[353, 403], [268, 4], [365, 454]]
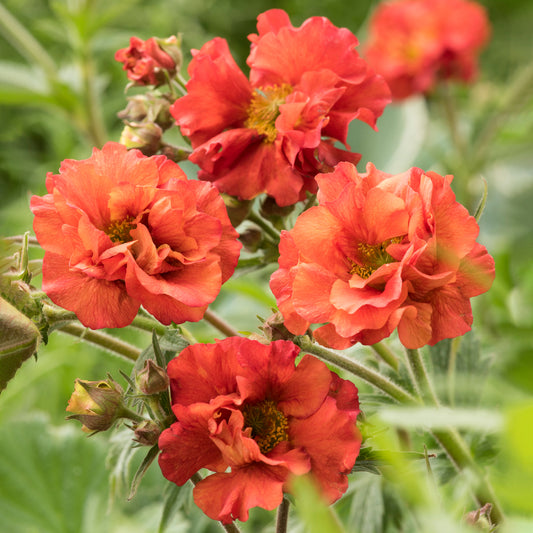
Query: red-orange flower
[[274, 132], [246, 412], [413, 43], [122, 230], [381, 252], [146, 62]]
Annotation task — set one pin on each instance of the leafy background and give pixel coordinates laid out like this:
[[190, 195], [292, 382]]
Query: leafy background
[[56, 61]]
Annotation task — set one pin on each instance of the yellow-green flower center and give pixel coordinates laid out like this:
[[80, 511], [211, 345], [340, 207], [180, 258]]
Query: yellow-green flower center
[[264, 109], [372, 256], [119, 230], [269, 425]]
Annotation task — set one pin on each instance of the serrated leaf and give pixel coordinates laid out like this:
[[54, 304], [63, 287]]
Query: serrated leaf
[[175, 498], [169, 345], [120, 455], [367, 509], [143, 468], [20, 340]]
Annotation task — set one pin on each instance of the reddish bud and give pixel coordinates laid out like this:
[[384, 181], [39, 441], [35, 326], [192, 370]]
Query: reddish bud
[[147, 432], [152, 379]]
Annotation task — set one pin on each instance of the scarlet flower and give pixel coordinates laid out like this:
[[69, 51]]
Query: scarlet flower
[[145, 61], [381, 252], [274, 132], [414, 43], [246, 412], [122, 230]]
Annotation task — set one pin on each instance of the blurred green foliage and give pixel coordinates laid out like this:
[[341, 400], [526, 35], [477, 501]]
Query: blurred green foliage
[[60, 60]]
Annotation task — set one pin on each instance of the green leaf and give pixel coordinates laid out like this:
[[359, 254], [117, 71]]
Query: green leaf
[[20, 340], [168, 345], [175, 498], [52, 480], [367, 509], [143, 468]]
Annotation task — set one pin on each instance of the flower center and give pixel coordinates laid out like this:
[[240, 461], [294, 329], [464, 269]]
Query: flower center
[[264, 109], [372, 256], [269, 425], [119, 230]]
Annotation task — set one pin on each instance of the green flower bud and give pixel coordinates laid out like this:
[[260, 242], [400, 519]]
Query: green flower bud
[[96, 404]]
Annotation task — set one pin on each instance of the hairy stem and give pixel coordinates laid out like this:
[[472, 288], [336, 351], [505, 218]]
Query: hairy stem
[[264, 225], [369, 375], [147, 323], [422, 382], [459, 454], [102, 340], [386, 354], [220, 324]]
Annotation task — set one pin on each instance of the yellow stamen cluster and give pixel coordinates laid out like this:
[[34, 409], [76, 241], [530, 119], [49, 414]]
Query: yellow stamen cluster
[[269, 425], [119, 230], [264, 110], [372, 256]]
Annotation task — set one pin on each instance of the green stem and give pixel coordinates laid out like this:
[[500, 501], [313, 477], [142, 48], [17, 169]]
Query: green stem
[[450, 440], [456, 449], [93, 107], [147, 323], [283, 516], [372, 377], [386, 354], [230, 528], [102, 340], [452, 359], [220, 324], [25, 43], [264, 225], [422, 382]]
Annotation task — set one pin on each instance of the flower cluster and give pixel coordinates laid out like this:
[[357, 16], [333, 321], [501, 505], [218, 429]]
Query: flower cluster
[[382, 252], [413, 43], [247, 413], [276, 130], [122, 230]]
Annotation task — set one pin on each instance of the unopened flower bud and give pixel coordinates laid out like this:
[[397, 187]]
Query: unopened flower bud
[[251, 238], [273, 212], [237, 209], [19, 340], [479, 518], [152, 379], [96, 404], [145, 136], [148, 107], [147, 432], [274, 329]]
